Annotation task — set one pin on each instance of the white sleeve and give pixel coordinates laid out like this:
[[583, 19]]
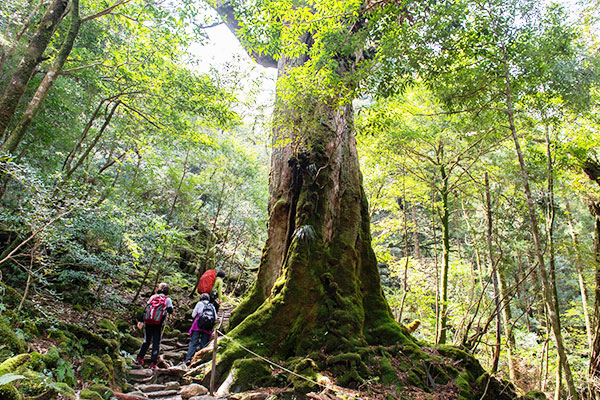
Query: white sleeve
[[198, 309]]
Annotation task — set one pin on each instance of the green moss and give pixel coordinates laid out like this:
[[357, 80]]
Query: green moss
[[387, 372], [415, 377], [130, 343], [469, 363], [9, 392], [250, 374], [10, 340], [107, 326], [13, 364], [307, 368], [349, 368], [88, 394], [535, 395], [94, 370], [36, 362], [462, 381], [103, 390], [93, 343], [65, 390], [51, 357], [33, 385], [122, 325]]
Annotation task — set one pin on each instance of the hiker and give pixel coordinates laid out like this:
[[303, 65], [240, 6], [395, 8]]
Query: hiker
[[154, 317], [211, 282], [205, 315], [217, 290]]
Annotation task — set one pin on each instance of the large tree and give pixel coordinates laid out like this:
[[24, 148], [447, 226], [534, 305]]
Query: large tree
[[318, 293]]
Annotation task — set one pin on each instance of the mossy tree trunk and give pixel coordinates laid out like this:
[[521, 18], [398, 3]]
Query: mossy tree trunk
[[318, 286], [445, 220]]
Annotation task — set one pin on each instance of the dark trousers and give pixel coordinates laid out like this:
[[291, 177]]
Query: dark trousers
[[152, 335], [197, 336]]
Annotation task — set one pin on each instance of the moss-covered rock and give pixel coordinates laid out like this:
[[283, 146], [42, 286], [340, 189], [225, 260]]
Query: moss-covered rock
[[10, 340], [51, 357], [14, 364], [469, 363], [130, 343], [122, 325], [88, 394], [36, 362], [250, 374], [102, 390], [33, 385], [307, 368], [9, 392], [92, 342], [65, 390], [108, 327], [93, 369]]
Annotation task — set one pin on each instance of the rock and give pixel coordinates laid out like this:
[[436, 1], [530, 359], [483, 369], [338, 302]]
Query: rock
[[151, 388], [141, 373], [161, 394], [193, 390], [172, 386], [173, 355], [128, 396]]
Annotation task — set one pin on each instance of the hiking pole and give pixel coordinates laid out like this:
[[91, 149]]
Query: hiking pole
[[214, 357]]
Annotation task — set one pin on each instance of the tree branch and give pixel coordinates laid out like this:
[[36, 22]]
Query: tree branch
[[227, 12]]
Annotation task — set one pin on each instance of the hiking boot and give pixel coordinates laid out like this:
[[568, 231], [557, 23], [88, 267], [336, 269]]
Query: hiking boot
[[139, 361]]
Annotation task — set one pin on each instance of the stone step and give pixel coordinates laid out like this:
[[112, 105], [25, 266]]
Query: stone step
[[151, 388], [140, 373], [162, 394], [174, 355]]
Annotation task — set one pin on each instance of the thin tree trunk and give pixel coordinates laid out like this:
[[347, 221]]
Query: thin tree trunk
[[94, 142], [445, 217], [508, 326], [550, 233], [406, 251], [546, 286], [48, 81], [494, 274], [9, 100], [416, 244]]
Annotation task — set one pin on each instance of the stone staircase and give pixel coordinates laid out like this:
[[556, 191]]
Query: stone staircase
[[169, 382]]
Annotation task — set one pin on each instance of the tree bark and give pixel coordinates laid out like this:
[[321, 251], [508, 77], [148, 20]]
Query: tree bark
[[48, 81], [12, 94], [445, 220], [318, 274]]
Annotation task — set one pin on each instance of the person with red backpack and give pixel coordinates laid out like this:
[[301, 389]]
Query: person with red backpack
[[154, 317], [205, 316]]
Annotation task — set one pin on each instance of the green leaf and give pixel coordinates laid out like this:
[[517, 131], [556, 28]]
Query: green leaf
[[8, 378]]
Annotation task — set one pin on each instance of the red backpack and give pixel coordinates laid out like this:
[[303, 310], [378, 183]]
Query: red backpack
[[156, 309], [207, 280]]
